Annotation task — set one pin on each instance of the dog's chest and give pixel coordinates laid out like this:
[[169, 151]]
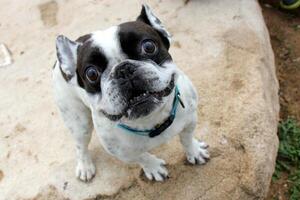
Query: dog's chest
[[120, 142]]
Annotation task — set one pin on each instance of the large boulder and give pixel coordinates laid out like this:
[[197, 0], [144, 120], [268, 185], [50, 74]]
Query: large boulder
[[223, 45]]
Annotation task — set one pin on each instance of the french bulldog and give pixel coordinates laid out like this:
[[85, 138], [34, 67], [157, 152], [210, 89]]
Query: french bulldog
[[123, 82]]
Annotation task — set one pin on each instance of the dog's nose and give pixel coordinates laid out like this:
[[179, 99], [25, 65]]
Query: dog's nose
[[124, 70]]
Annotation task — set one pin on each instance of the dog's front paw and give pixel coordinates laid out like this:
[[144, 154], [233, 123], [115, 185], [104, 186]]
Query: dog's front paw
[[156, 170], [198, 153], [85, 170]]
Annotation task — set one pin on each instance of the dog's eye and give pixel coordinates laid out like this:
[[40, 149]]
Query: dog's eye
[[149, 47], [92, 74]]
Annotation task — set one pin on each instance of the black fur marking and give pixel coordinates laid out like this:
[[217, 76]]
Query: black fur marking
[[144, 18], [84, 38], [111, 117], [164, 39], [66, 77], [63, 74], [54, 65], [157, 21], [88, 55], [131, 35]]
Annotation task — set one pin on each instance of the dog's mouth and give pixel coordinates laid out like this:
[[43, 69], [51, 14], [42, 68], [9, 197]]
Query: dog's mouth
[[141, 96], [143, 102]]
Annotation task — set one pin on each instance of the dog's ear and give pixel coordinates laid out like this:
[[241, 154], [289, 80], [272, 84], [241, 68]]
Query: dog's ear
[[67, 55], [149, 18]]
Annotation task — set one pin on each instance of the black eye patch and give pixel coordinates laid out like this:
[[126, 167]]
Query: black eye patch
[[132, 36], [87, 56]]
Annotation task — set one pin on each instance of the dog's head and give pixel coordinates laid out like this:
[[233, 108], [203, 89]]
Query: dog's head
[[126, 70]]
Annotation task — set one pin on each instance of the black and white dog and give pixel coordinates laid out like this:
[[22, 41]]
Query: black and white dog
[[122, 81]]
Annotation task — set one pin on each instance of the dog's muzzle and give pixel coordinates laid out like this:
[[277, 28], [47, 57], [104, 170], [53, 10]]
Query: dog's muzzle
[[136, 88], [130, 78]]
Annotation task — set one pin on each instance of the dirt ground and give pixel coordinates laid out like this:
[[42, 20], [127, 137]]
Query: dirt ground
[[284, 28]]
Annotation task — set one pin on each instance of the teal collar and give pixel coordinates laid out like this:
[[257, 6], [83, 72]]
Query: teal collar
[[160, 127]]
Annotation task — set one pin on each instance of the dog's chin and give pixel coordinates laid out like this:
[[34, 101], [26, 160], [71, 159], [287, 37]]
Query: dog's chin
[[141, 104]]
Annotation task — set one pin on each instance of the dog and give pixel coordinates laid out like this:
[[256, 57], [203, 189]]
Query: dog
[[123, 82]]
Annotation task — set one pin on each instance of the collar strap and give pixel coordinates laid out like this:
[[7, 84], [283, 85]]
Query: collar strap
[[160, 127]]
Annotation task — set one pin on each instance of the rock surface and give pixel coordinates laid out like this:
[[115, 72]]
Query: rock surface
[[223, 45]]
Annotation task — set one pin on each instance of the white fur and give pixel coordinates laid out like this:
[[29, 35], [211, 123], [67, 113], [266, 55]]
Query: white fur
[[109, 43]]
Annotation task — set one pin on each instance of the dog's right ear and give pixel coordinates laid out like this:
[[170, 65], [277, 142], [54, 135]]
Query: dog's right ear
[[67, 55]]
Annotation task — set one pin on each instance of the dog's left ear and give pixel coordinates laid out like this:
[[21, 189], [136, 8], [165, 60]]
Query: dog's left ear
[[149, 18]]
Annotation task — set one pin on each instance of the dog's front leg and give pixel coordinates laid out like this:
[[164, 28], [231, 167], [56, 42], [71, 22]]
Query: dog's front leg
[[153, 167], [77, 118], [196, 151], [85, 169]]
